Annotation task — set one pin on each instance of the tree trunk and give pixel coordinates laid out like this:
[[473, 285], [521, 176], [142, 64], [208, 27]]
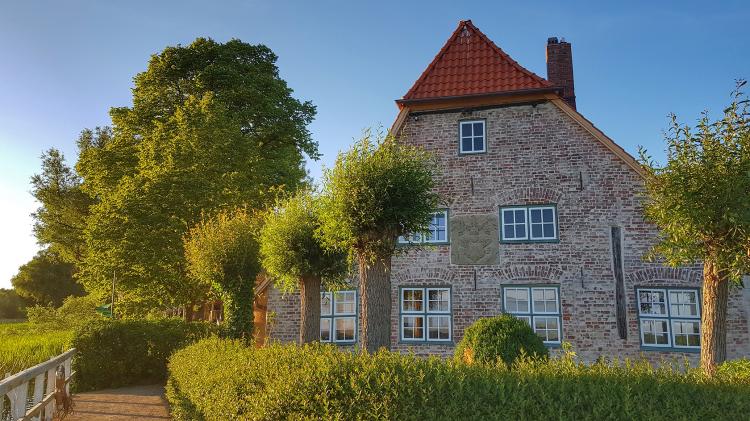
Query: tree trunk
[[713, 318], [309, 328], [375, 293]]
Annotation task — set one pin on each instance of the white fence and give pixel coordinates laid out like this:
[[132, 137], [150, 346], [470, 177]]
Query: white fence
[[51, 389]]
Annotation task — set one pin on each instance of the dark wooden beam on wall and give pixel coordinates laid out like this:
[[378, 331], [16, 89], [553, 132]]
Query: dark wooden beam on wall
[[617, 268]]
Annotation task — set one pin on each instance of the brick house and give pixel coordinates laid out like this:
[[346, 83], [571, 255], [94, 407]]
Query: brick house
[[541, 219]]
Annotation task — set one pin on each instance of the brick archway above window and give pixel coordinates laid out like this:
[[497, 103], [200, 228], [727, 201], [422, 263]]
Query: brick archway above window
[[523, 273], [528, 195], [660, 275], [421, 274]]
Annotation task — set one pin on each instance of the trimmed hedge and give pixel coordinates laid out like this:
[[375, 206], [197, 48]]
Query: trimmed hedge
[[129, 352], [221, 379], [504, 338]]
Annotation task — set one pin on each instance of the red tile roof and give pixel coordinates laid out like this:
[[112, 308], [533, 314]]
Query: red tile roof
[[470, 64]]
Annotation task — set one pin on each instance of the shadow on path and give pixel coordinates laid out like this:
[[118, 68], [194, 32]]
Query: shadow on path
[[128, 403]]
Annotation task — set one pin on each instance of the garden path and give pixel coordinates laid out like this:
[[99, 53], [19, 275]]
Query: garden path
[[128, 403]]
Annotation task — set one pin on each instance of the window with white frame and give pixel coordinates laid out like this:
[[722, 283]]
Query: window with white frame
[[532, 223], [669, 317], [436, 233], [539, 306], [425, 314], [338, 316], [472, 136]]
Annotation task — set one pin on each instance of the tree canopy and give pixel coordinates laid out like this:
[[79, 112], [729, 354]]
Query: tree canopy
[[222, 252], [11, 305], [46, 280], [212, 126]]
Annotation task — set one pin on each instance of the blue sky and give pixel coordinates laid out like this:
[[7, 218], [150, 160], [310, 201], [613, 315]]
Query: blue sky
[[65, 63]]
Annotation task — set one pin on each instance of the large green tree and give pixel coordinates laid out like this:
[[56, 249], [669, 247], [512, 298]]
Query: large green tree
[[222, 252], [378, 190], [46, 280], [60, 220], [700, 199], [212, 126], [295, 257], [11, 305]]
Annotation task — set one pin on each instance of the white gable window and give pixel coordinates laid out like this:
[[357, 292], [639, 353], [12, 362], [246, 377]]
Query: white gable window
[[472, 136], [338, 316], [539, 306], [669, 318], [437, 232], [425, 314], [528, 223]]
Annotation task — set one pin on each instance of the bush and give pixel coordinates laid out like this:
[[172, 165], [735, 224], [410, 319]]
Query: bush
[[129, 352], [74, 312], [735, 371], [503, 338], [221, 379]]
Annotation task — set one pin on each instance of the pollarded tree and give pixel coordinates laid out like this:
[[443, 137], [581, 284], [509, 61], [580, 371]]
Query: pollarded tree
[[222, 252], [294, 256], [701, 202], [378, 190]]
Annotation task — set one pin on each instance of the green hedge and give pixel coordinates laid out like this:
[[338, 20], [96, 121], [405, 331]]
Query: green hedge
[[220, 379], [504, 338], [129, 352]]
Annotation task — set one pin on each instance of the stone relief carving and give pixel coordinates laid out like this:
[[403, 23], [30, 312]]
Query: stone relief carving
[[474, 240]]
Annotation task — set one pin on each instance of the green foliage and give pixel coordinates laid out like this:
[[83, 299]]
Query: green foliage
[[46, 280], [60, 221], [699, 198], [218, 379], [502, 338], [735, 371], [11, 305], [212, 126], [24, 345], [222, 252], [74, 312], [130, 352], [378, 190], [290, 249]]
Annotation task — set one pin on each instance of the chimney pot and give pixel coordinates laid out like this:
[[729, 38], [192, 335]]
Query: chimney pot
[[560, 69]]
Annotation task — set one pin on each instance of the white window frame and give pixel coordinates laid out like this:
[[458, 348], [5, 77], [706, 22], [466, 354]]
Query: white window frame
[[527, 214], [334, 315], [668, 317], [473, 136], [425, 314], [532, 314], [421, 238]]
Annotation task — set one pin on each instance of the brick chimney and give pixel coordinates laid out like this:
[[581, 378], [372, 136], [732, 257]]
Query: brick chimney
[[560, 68]]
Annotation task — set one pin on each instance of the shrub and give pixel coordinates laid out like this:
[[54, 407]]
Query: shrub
[[503, 338], [129, 352], [220, 379], [736, 371], [74, 312]]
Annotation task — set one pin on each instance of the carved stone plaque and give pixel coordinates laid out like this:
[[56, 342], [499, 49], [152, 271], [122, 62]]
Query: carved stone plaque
[[475, 240]]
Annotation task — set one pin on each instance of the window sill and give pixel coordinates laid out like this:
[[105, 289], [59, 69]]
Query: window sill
[[555, 241], [441, 243], [421, 342], [670, 349]]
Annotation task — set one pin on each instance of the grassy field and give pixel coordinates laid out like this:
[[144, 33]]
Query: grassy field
[[23, 345]]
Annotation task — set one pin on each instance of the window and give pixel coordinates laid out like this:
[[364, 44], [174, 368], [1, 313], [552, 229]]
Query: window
[[472, 136], [537, 306], [437, 232], [338, 316], [425, 314], [669, 318], [530, 223]]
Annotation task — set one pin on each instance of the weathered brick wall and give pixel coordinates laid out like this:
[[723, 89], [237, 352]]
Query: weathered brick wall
[[538, 155], [283, 317]]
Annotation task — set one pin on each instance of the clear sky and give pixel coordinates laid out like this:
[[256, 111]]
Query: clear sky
[[64, 63]]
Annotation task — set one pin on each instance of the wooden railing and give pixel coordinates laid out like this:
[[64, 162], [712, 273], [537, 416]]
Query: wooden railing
[[51, 392]]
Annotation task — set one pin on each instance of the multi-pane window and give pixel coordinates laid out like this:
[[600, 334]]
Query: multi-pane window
[[669, 317], [338, 316], [472, 136], [425, 314], [535, 223], [437, 232], [537, 306]]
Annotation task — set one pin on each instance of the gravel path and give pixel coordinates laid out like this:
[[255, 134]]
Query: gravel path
[[129, 403]]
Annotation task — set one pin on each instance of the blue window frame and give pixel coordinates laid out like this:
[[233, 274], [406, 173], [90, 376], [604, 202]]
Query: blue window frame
[[338, 316], [437, 232], [669, 318], [539, 306], [472, 137], [528, 223], [426, 314]]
